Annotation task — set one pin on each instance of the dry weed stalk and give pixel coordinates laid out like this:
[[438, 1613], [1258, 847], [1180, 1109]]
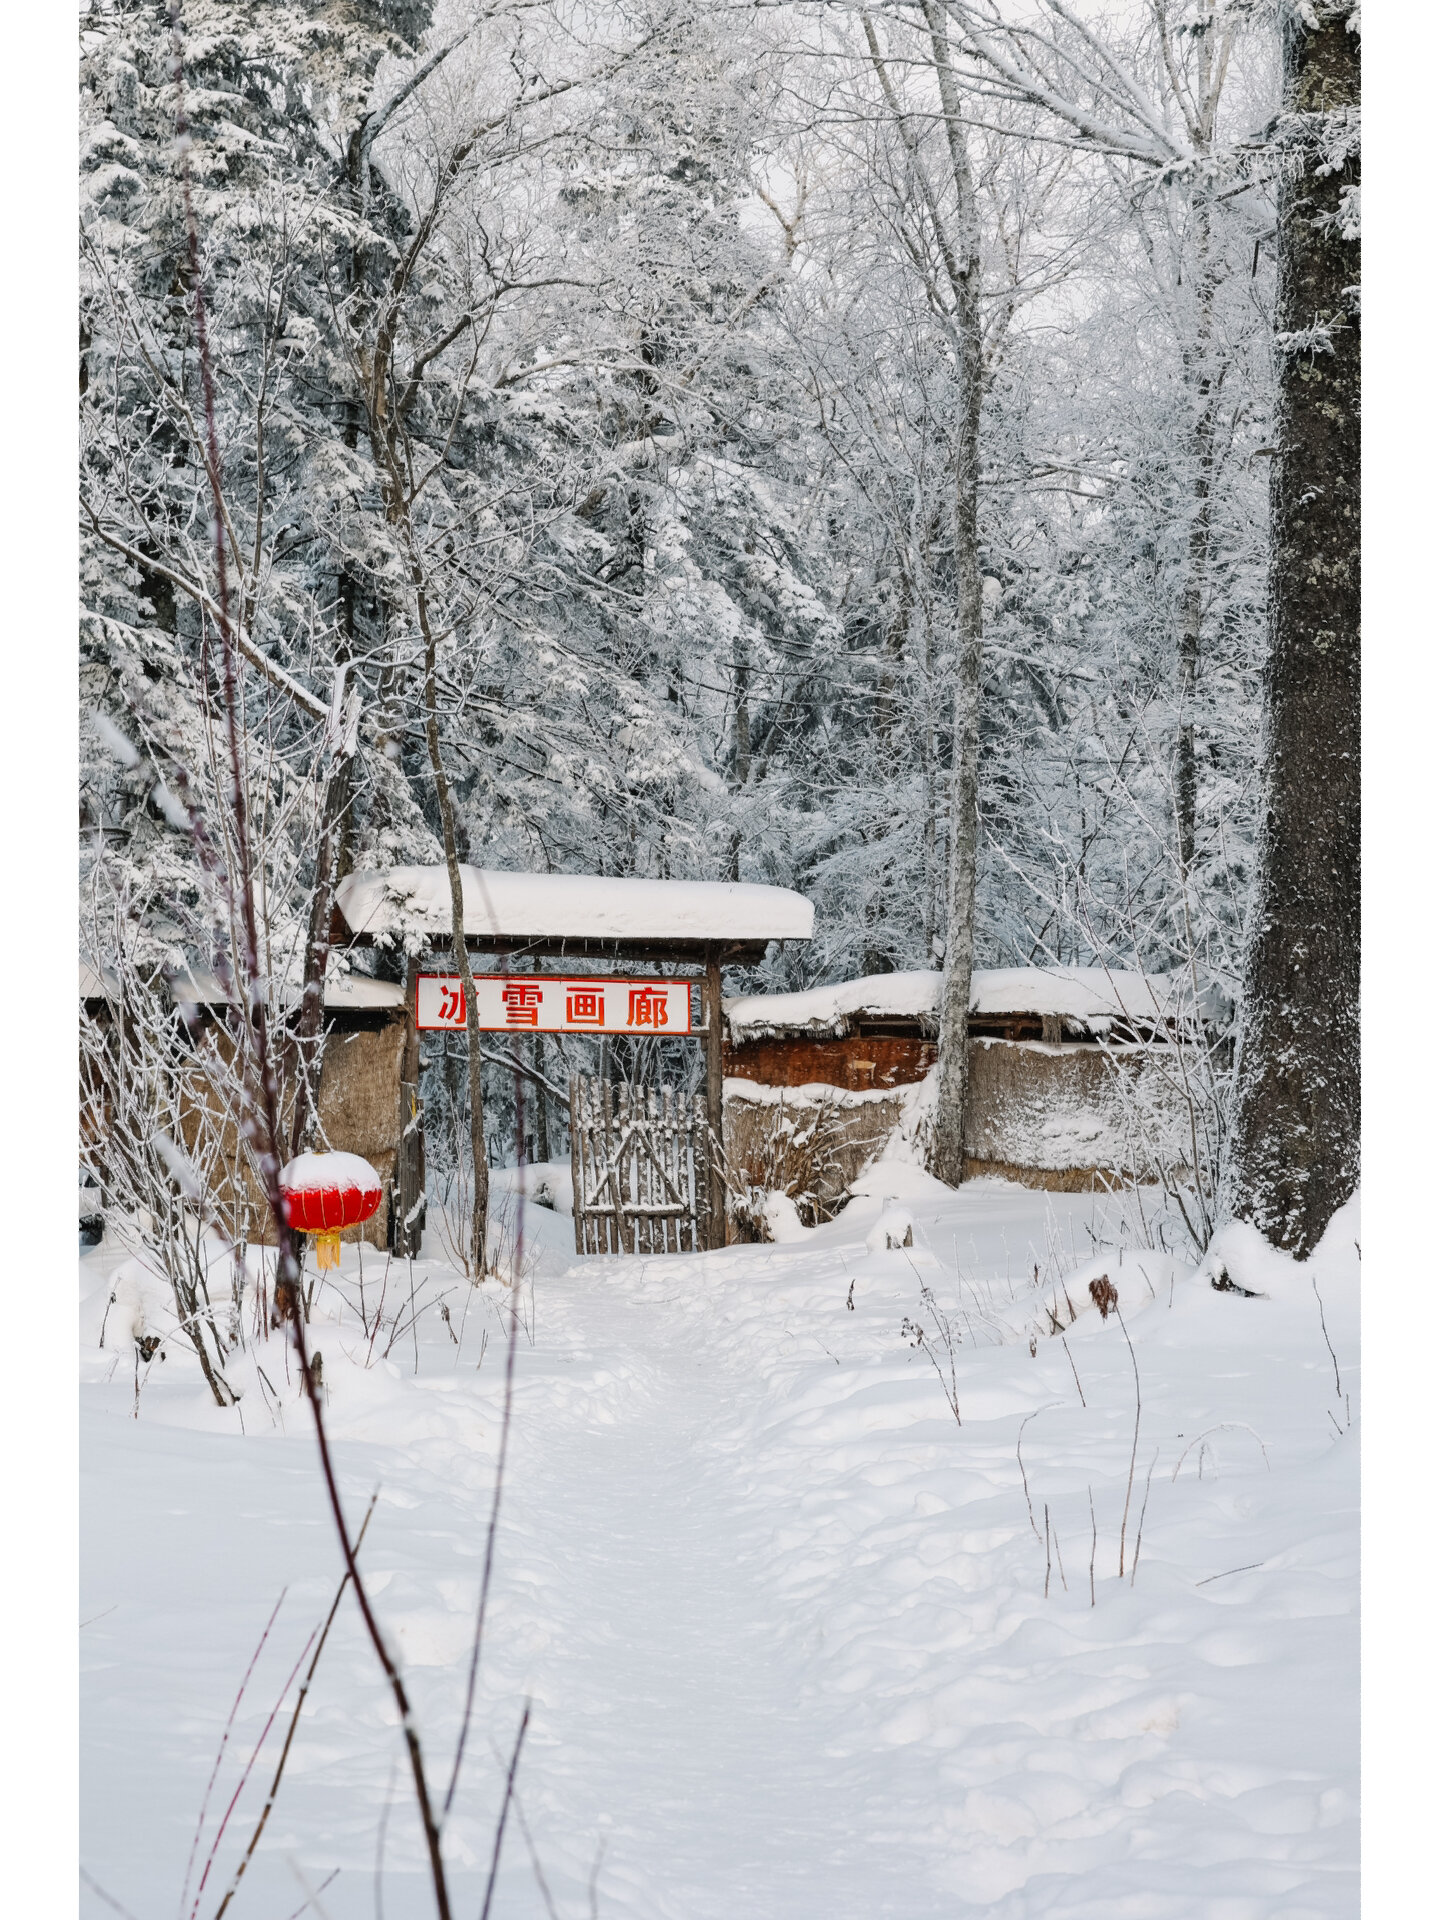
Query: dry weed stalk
[[800, 1152]]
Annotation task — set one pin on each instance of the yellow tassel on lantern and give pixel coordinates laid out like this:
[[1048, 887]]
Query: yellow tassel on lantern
[[327, 1249]]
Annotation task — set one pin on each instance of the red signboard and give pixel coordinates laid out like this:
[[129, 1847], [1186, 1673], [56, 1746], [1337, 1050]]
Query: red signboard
[[549, 1003]]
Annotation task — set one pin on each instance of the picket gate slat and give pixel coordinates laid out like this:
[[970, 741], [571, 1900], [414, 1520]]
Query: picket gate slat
[[639, 1165]]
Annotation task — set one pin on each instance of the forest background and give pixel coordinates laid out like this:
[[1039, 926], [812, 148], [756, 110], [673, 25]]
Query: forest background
[[825, 446], [798, 389]]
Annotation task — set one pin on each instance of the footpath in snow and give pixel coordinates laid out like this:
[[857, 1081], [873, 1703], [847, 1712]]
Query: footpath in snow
[[782, 1616]]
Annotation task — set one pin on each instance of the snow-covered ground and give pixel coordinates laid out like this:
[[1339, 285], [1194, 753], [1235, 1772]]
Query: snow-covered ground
[[783, 1617]]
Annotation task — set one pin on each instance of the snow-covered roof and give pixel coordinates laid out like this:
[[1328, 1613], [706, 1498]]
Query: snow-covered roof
[[356, 993], [523, 907], [199, 987], [97, 983], [879, 996], [347, 993], [1084, 993], [1090, 996]]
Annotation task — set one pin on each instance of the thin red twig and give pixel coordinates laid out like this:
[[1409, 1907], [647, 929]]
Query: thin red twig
[[245, 1775], [246, 1857], [504, 1811], [475, 1644], [224, 1742]]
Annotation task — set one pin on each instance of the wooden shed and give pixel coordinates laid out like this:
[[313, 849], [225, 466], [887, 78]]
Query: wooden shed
[[368, 1097], [1061, 1061]]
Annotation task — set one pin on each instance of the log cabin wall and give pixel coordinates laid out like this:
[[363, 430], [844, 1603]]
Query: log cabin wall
[[859, 1061]]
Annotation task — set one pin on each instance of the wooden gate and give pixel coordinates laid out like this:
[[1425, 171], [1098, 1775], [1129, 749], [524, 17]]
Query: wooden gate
[[640, 1164]]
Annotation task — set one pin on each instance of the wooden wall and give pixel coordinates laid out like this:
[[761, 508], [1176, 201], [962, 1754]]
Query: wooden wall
[[857, 1062]]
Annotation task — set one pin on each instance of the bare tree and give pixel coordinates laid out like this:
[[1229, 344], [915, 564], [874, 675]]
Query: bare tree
[[1151, 100], [949, 238]]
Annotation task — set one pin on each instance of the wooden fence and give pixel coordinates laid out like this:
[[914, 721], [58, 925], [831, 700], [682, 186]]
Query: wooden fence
[[640, 1163]]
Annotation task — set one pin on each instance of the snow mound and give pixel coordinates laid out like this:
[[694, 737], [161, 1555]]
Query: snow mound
[[545, 1183]]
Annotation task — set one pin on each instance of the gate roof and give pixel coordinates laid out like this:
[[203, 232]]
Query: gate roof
[[585, 915]]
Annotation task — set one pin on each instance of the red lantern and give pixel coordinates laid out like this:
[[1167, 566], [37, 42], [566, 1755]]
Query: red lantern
[[323, 1193]]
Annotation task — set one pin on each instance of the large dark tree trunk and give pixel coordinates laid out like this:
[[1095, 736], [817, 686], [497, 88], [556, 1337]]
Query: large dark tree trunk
[[1294, 1148]]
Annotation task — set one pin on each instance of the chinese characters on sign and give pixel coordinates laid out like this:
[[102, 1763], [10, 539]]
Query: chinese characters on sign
[[522, 1002], [649, 1008], [585, 1006], [509, 1003]]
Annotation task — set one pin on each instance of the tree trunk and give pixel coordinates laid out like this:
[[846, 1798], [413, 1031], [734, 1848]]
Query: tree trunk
[[947, 1146], [741, 776], [719, 1212], [542, 1115], [479, 1159], [1293, 1152], [308, 1041], [1206, 386]]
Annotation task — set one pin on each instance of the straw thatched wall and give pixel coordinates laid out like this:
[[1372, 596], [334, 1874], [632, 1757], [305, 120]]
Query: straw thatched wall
[[360, 1112], [1062, 1117], [808, 1142]]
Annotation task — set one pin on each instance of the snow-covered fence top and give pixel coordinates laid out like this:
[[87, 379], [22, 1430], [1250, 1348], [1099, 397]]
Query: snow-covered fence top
[[1089, 997], [512, 908]]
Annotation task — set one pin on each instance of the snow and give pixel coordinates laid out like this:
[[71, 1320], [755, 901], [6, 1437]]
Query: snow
[[782, 1620], [1092, 996], [328, 1172], [548, 1183], [562, 906], [812, 1093], [1087, 994]]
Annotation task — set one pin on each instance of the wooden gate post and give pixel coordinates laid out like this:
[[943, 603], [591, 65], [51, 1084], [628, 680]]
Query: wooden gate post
[[409, 1186], [577, 1162], [719, 1231]]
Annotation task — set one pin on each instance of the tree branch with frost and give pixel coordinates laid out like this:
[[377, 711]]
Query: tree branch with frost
[[208, 605], [1017, 56]]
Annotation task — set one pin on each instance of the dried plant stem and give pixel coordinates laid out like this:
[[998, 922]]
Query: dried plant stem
[[428, 1821], [1144, 1504], [537, 1869], [1024, 1480], [479, 1635], [1071, 1358], [1094, 1539], [245, 1773], [1326, 1331], [1222, 1426], [1135, 1443], [224, 1742]]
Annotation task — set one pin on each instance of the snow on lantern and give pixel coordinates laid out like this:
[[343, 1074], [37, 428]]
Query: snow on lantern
[[323, 1193]]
